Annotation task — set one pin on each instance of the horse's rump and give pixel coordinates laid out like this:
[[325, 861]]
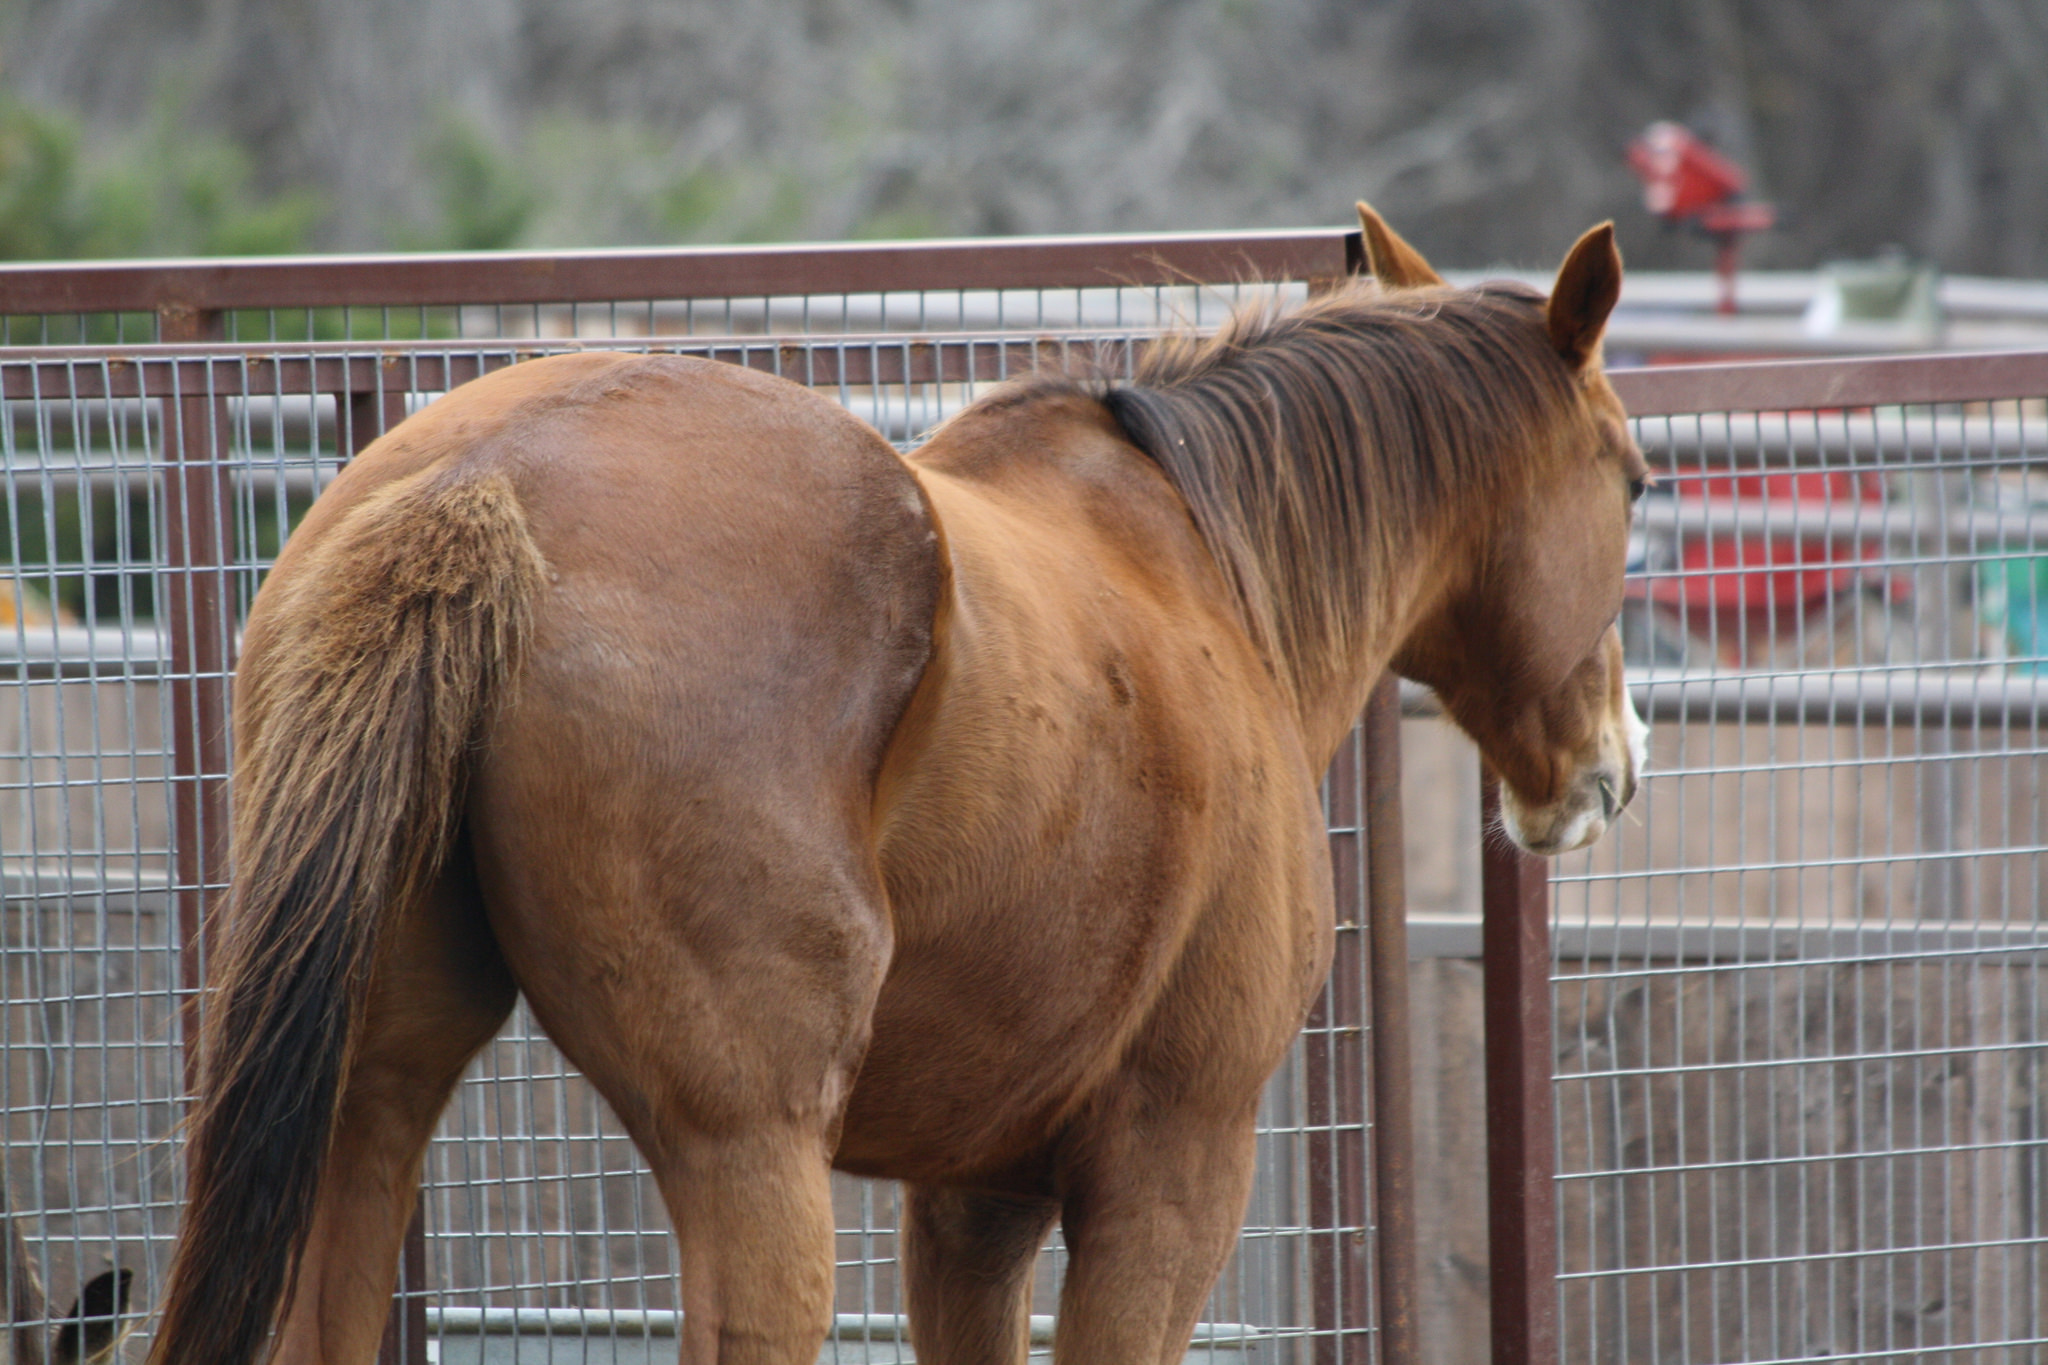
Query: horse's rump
[[589, 549]]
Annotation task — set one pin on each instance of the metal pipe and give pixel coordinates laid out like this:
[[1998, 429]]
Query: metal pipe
[[1800, 385], [1983, 529], [1745, 439], [435, 367], [1393, 1087], [1521, 1148], [1899, 696], [196, 521], [491, 278]]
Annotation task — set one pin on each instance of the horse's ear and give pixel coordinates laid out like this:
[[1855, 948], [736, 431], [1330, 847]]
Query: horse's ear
[[1390, 260], [1588, 285]]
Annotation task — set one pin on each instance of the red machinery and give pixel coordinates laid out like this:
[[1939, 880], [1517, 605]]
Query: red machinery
[[1746, 591], [1686, 181], [1742, 590]]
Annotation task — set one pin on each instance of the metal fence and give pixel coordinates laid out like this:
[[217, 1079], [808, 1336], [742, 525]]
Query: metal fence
[[1799, 1005], [149, 482], [1789, 1107]]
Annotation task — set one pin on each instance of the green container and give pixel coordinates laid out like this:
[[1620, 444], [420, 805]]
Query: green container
[[2012, 596]]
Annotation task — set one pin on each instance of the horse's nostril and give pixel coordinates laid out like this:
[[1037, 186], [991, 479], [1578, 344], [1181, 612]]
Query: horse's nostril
[[1608, 803]]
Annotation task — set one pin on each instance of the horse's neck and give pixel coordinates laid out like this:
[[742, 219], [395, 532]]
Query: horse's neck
[[1059, 452], [1329, 695]]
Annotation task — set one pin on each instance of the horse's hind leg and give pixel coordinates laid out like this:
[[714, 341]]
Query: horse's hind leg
[[729, 1063], [967, 1260], [1151, 1214], [716, 984], [438, 993]]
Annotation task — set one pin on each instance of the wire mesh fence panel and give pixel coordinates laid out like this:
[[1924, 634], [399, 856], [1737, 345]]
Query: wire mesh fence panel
[[1800, 999], [145, 497], [91, 781], [1798, 1006]]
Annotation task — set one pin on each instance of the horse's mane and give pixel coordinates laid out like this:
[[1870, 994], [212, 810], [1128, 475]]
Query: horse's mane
[[1312, 445]]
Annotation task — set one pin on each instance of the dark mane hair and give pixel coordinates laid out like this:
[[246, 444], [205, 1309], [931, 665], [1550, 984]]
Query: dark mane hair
[[1310, 445]]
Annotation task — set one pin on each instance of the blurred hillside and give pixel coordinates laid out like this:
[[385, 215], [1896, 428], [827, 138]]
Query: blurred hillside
[[1490, 131]]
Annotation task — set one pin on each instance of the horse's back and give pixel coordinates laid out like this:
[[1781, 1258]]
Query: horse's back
[[1096, 820]]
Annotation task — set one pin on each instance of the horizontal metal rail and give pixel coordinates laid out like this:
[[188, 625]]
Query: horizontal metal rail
[[1746, 441], [1732, 944], [1746, 419], [666, 1323], [514, 278], [1908, 696], [1841, 521], [158, 371], [1599, 950], [1896, 697], [1780, 292], [1788, 385]]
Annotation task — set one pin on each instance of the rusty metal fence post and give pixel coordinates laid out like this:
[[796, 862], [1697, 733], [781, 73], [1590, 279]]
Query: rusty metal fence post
[[198, 617], [1361, 1155], [1393, 1093], [1521, 1143]]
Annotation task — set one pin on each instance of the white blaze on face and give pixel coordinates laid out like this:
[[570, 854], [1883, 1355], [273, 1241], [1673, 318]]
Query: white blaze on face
[[1636, 737]]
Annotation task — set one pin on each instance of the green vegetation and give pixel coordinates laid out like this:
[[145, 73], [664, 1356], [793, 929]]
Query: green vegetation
[[172, 188], [91, 549], [482, 201], [66, 546], [163, 192]]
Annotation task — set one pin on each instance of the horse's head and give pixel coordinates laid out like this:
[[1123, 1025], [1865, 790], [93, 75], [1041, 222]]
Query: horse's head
[[1521, 644]]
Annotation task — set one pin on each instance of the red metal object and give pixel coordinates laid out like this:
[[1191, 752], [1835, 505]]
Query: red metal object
[[1686, 181], [1682, 176], [1741, 590]]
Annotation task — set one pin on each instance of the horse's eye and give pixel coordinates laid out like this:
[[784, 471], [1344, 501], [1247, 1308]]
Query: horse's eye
[[1636, 488]]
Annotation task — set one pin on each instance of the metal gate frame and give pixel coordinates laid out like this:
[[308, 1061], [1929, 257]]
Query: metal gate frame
[[190, 306], [1516, 952], [189, 310]]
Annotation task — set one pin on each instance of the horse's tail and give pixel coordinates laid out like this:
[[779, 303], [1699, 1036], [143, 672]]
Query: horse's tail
[[371, 666]]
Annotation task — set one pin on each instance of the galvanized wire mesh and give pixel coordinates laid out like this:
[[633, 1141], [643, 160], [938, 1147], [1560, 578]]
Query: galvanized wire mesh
[[1799, 1014], [141, 486], [1800, 1001]]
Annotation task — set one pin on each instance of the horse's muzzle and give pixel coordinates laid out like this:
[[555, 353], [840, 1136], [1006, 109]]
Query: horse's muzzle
[[1595, 796]]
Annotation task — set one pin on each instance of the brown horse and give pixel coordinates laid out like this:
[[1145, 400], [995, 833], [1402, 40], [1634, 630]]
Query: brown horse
[[949, 818]]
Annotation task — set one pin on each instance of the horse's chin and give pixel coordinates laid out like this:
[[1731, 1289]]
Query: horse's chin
[[1562, 827], [1599, 794]]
